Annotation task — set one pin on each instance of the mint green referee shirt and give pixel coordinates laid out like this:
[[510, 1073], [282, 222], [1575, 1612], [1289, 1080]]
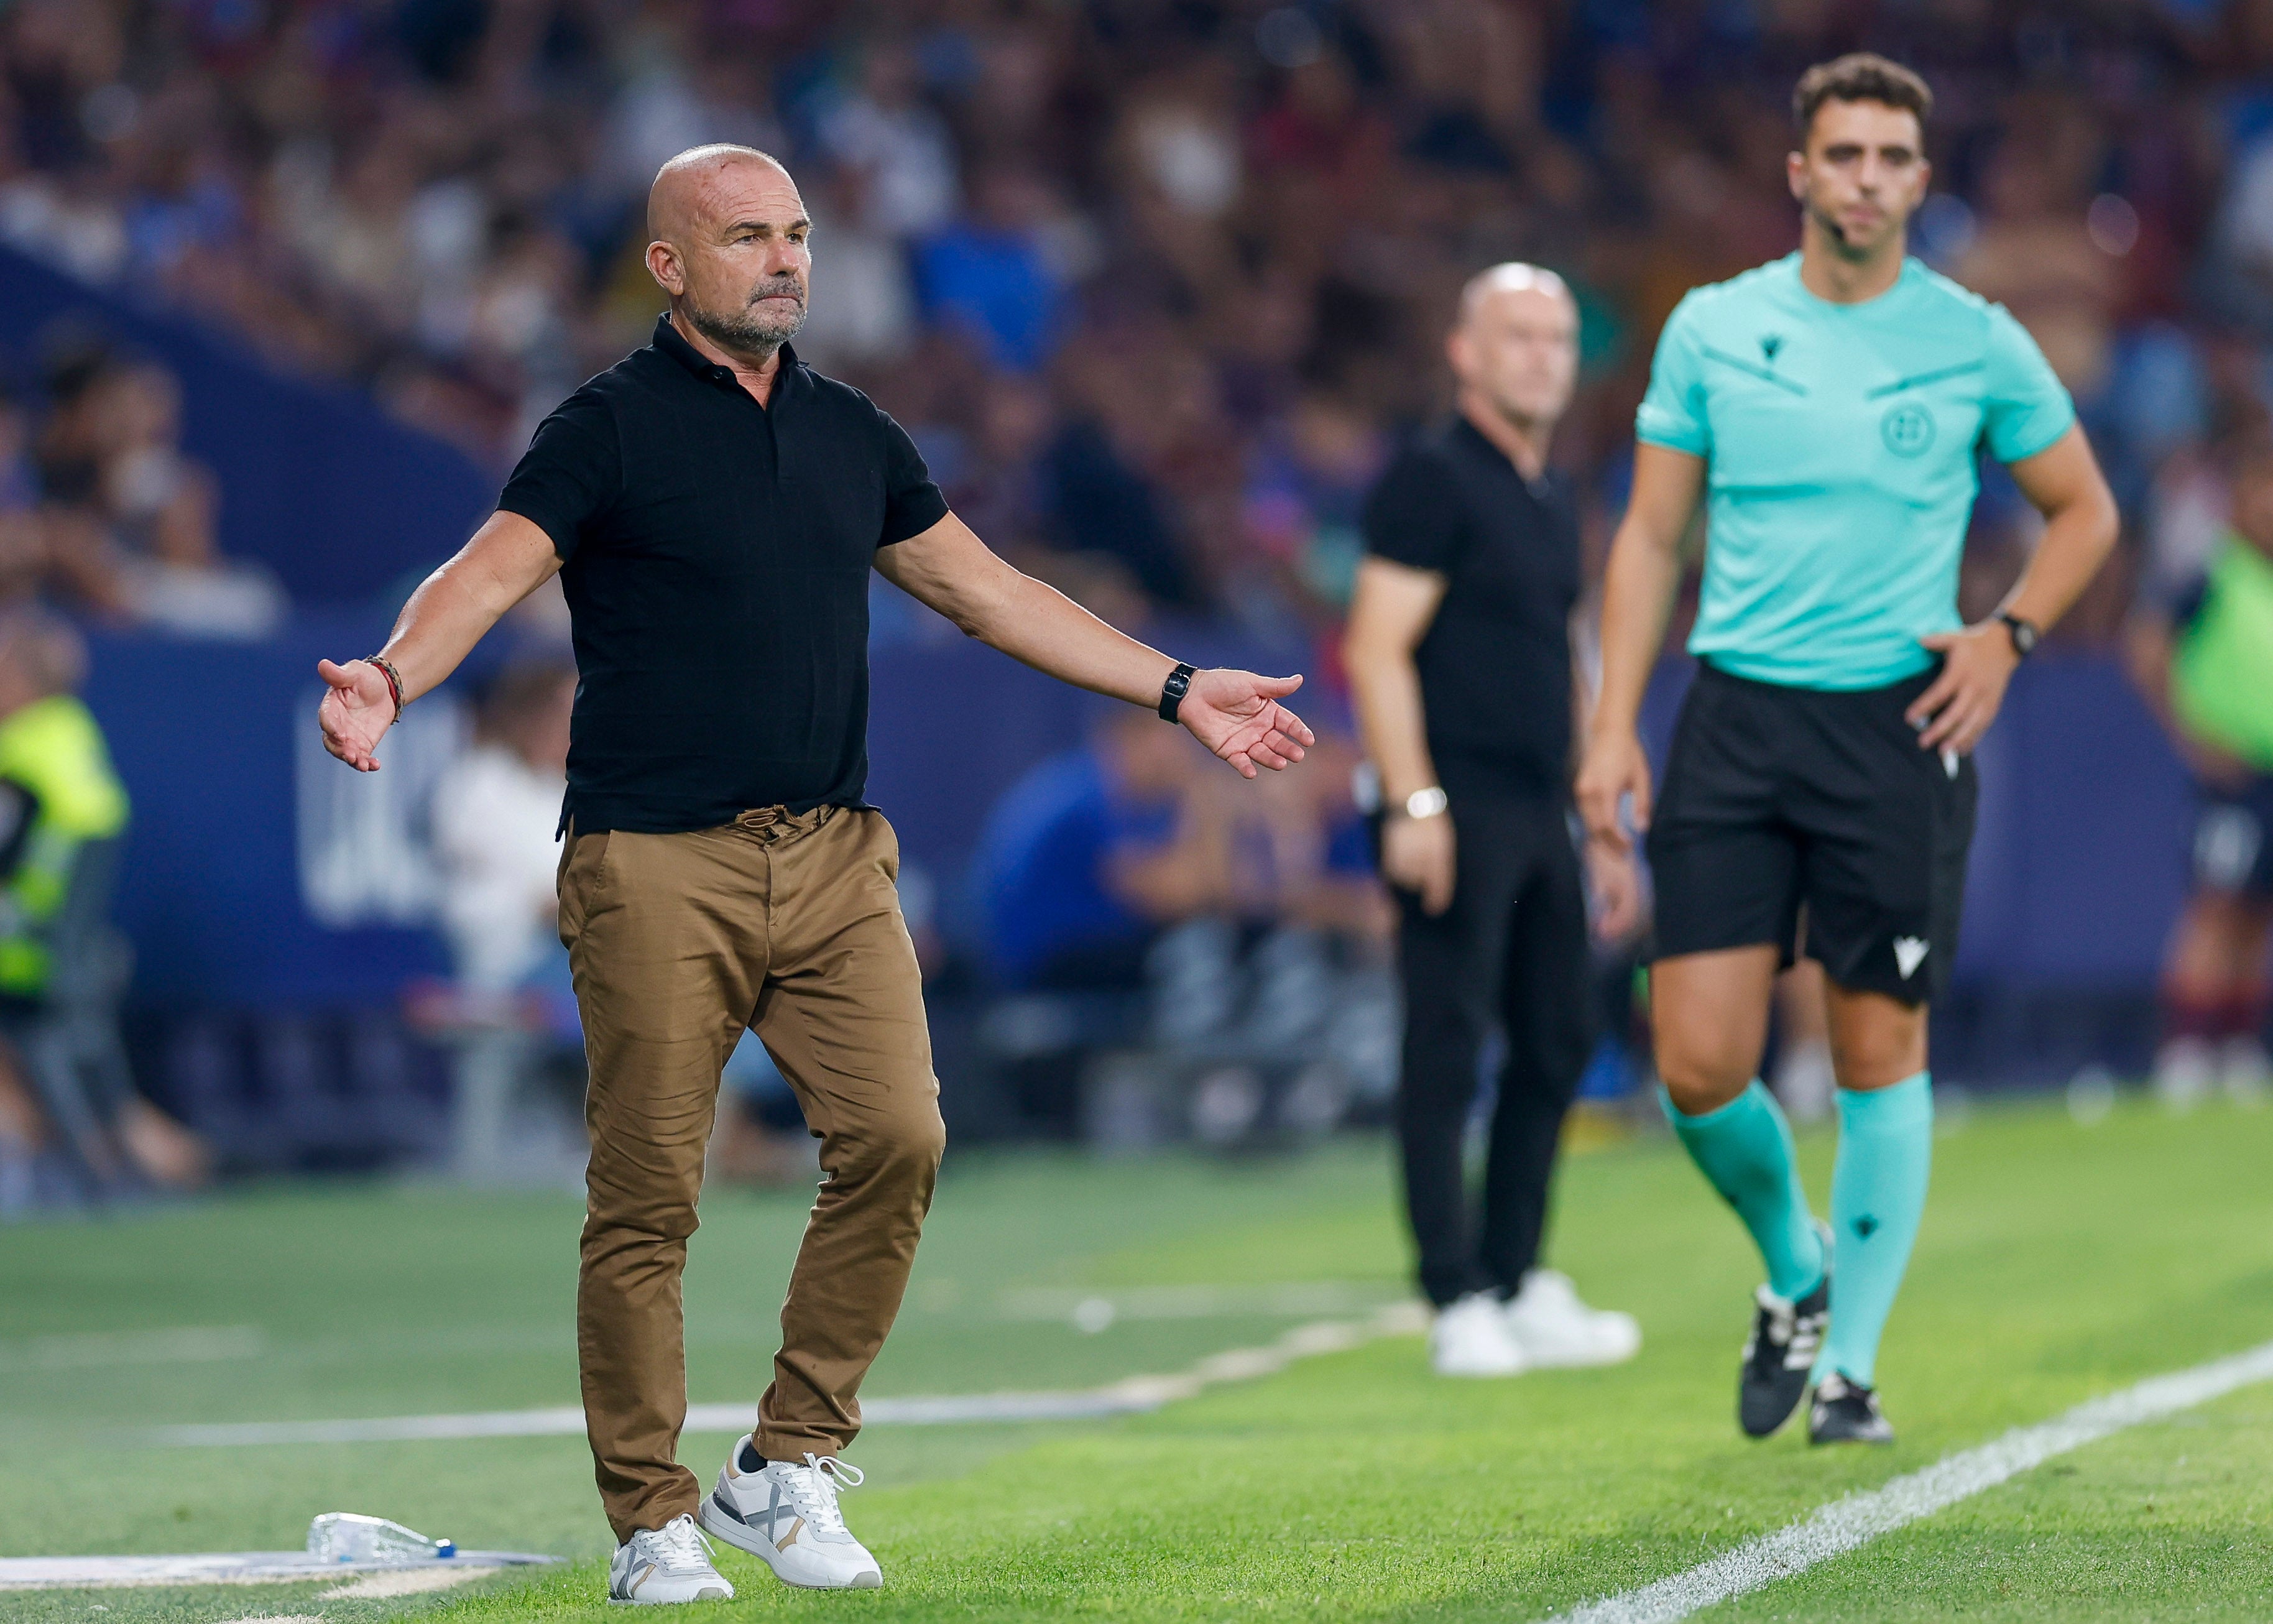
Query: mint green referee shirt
[[1839, 442]]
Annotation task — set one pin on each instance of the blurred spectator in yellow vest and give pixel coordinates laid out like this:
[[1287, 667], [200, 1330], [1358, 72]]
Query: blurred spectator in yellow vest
[[57, 790], [58, 793]]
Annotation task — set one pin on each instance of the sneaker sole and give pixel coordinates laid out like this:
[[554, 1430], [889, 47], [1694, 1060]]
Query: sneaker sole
[[615, 1600], [1584, 1361], [1558, 1358], [718, 1525], [1833, 1441]]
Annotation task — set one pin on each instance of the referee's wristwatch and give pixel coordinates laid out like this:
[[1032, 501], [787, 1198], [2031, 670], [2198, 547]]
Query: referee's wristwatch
[[1426, 803], [2024, 633]]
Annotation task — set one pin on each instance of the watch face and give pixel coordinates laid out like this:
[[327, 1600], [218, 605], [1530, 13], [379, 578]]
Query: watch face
[[2025, 635]]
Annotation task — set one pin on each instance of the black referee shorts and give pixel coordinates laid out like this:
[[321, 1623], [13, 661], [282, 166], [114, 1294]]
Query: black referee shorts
[[1778, 797]]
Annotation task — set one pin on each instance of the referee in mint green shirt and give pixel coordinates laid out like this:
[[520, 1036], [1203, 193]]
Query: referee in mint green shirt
[[1828, 409]]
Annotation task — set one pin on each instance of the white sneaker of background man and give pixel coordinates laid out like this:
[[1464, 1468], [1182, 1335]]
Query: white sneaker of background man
[[785, 1513], [667, 1564], [1555, 1329], [2244, 1072], [2185, 1070], [1471, 1338]]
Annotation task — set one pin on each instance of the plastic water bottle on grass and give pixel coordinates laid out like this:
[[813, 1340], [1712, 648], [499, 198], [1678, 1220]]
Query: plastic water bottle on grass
[[345, 1537]]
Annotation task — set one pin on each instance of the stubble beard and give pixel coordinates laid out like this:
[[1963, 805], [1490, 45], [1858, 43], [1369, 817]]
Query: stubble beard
[[1528, 418], [754, 331], [1846, 247]]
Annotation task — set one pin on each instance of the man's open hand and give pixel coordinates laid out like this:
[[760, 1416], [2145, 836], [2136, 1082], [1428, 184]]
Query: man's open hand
[[355, 713], [1237, 715]]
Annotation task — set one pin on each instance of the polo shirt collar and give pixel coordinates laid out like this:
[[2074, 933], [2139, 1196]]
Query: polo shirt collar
[[1483, 445], [667, 340]]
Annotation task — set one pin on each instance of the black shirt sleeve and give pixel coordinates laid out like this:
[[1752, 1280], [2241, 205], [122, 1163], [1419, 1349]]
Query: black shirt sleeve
[[1415, 516], [913, 503], [571, 472]]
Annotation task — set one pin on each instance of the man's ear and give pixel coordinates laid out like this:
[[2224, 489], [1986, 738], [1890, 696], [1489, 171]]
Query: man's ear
[[663, 264], [1795, 175]]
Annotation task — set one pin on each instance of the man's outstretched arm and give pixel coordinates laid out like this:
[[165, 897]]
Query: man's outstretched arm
[[508, 558], [1235, 713]]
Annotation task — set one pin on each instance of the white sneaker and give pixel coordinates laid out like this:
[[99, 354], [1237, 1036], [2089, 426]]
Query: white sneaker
[[1554, 1329], [1471, 1338], [2246, 1074], [1804, 1083], [666, 1563], [786, 1514], [2186, 1071]]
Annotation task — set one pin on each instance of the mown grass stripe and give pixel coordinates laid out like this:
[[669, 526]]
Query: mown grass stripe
[[1857, 1520]]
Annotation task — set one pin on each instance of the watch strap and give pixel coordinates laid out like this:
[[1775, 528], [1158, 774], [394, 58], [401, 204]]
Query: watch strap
[[1173, 691], [2023, 633]]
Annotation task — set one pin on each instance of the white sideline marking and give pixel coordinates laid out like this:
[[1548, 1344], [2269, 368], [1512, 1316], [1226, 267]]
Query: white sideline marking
[[1858, 1519], [1132, 1395], [401, 1581], [173, 1345], [47, 1573], [1291, 1298]]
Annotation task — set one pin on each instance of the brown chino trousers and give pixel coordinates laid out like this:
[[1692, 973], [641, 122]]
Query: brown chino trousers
[[789, 925]]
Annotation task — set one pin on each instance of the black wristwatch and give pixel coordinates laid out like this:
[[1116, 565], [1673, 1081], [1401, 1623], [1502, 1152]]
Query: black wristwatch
[[2024, 633], [1173, 691]]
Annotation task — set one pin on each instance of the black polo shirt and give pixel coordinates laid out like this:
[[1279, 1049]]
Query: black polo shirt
[[1495, 665], [716, 556]]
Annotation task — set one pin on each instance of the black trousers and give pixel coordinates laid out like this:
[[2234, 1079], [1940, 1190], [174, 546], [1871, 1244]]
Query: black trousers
[[1511, 950]]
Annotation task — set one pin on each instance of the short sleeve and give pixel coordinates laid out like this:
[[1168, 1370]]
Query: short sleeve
[[912, 502], [1672, 413], [2025, 407], [1415, 516], [571, 472]]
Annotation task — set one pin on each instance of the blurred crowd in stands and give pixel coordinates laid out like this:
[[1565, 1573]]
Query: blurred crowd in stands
[[99, 511], [1155, 284], [1153, 281]]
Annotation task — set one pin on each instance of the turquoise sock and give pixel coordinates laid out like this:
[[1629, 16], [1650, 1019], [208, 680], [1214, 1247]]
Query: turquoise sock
[[1877, 1195], [1744, 1149]]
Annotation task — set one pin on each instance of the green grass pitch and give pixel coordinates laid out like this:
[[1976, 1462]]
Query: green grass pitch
[[2060, 1261]]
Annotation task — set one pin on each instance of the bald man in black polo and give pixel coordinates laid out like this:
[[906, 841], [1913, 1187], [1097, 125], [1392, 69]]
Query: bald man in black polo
[[1459, 651], [713, 506]]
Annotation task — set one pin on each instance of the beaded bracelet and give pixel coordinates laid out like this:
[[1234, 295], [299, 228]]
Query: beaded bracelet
[[394, 682]]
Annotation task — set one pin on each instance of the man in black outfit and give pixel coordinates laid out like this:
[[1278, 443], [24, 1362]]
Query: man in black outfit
[[1458, 652]]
